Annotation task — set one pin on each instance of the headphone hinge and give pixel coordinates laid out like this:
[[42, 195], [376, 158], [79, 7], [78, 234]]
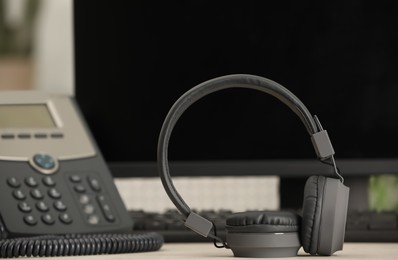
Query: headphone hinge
[[198, 224], [323, 146]]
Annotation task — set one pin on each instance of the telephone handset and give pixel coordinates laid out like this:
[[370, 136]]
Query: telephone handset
[[53, 178]]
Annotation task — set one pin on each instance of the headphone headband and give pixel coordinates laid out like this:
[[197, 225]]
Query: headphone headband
[[319, 137]]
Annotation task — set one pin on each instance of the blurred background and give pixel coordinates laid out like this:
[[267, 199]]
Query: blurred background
[[36, 52], [36, 45]]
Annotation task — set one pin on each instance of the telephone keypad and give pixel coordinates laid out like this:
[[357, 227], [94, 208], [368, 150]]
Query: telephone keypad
[[44, 204], [46, 214]]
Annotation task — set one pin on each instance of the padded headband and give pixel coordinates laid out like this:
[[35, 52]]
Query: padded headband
[[319, 136]]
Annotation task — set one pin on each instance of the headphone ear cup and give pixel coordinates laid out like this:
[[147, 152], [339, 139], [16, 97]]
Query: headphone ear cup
[[324, 215], [312, 209], [264, 233]]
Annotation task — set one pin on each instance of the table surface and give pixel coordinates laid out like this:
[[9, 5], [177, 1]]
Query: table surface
[[384, 251]]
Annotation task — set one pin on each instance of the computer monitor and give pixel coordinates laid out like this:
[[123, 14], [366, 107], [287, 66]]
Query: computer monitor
[[134, 59]]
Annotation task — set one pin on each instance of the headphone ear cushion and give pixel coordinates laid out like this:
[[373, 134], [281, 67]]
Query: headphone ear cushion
[[263, 222], [312, 210], [263, 234]]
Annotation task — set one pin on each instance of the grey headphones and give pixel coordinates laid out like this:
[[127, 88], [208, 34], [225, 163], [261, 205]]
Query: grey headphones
[[321, 228]]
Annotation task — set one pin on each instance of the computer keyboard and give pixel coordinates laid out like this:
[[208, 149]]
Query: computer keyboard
[[372, 227], [361, 226]]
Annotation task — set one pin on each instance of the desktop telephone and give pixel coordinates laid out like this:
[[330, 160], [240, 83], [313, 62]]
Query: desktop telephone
[[53, 179]]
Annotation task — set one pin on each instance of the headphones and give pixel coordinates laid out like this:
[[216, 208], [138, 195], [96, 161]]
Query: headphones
[[320, 229]]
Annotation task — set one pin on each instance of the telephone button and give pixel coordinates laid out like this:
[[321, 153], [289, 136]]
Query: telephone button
[[31, 182], [19, 195], [40, 135], [80, 188], [30, 220], [75, 179], [110, 217], [93, 219], [24, 207], [94, 184], [57, 135], [84, 199], [36, 194], [44, 163], [42, 206], [13, 182], [48, 219], [106, 209], [88, 209], [54, 193], [59, 205], [8, 136], [65, 218], [24, 136], [48, 181]]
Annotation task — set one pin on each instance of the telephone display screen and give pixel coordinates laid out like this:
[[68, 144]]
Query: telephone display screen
[[25, 116]]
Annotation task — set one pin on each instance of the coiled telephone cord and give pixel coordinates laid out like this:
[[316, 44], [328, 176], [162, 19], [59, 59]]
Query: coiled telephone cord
[[77, 244], [90, 244]]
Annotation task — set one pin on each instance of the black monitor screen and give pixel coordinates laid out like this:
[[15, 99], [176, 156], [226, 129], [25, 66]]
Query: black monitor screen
[[134, 59]]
